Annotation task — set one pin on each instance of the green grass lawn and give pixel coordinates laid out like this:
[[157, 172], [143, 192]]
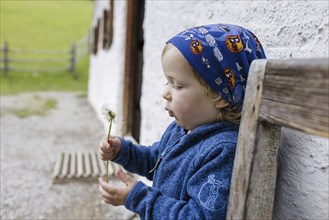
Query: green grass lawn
[[51, 24]]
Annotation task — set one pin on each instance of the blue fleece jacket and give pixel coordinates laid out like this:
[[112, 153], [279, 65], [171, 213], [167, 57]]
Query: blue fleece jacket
[[191, 172]]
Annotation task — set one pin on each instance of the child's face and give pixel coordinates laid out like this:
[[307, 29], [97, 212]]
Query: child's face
[[185, 98]]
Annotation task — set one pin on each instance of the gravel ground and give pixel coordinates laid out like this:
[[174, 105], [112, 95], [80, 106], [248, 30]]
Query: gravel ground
[[29, 148]]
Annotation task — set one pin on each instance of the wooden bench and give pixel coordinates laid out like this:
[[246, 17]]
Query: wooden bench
[[290, 93]]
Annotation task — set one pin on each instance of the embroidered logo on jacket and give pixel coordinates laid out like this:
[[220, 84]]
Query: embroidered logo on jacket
[[208, 194]]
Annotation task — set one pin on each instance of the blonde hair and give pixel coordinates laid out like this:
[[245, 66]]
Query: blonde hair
[[225, 113]]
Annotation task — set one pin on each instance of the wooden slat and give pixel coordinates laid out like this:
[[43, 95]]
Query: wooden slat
[[58, 165], [246, 142], [296, 95], [94, 163], [79, 164], [101, 167], [65, 167], [110, 168], [262, 182], [87, 163], [73, 165]]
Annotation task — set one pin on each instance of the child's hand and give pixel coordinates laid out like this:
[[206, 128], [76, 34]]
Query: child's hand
[[109, 150], [116, 195]]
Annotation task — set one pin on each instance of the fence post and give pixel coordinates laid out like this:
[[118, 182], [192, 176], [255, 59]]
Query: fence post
[[73, 59], [6, 58]]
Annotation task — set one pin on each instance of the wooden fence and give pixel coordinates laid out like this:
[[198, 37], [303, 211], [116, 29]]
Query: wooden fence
[[42, 60]]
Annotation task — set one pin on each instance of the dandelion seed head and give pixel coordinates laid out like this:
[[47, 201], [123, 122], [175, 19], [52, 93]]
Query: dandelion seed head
[[108, 113]]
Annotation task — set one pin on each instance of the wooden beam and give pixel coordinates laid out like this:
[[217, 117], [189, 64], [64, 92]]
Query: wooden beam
[[130, 53], [296, 95], [133, 68], [253, 180]]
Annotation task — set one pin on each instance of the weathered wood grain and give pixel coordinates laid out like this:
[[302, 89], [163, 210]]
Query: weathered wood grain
[[296, 95], [246, 142], [94, 162], [66, 165], [58, 165], [86, 159], [79, 164], [290, 93], [73, 166], [261, 190]]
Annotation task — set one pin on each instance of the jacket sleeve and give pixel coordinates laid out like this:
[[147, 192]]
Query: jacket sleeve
[[207, 190], [137, 158], [141, 159]]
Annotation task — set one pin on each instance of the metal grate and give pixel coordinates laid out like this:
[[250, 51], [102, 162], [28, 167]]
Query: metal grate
[[81, 164]]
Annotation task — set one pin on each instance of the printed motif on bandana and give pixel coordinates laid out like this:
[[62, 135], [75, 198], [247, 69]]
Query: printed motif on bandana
[[229, 74], [189, 37], [242, 79], [256, 39], [202, 30], [234, 43], [245, 35], [247, 47], [238, 66], [205, 61], [208, 195], [218, 81], [196, 47], [225, 91], [224, 28], [234, 96], [258, 43], [211, 41], [184, 32], [218, 54]]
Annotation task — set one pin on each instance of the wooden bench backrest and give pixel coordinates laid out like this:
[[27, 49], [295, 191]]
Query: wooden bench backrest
[[291, 93]]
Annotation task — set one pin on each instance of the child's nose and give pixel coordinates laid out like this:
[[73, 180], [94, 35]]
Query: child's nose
[[166, 94]]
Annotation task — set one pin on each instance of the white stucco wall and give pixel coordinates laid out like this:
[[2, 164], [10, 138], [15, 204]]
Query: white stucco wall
[[287, 29], [106, 67]]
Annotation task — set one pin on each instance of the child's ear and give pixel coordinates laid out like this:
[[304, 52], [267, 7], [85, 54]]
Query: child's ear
[[221, 104]]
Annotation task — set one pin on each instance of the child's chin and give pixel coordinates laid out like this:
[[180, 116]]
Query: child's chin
[[186, 127]]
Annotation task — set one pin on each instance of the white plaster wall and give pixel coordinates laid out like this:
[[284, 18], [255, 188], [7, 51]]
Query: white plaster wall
[[106, 68], [287, 29], [302, 186]]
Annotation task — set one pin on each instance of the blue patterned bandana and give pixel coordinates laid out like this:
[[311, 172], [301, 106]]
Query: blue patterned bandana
[[221, 54]]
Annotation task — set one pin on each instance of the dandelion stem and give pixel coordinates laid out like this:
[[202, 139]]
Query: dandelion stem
[[109, 132], [108, 138], [109, 116]]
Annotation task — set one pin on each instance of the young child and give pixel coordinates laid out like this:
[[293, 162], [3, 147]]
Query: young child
[[191, 166]]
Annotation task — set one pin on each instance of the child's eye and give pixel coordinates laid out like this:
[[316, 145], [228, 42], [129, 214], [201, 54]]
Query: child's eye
[[178, 87]]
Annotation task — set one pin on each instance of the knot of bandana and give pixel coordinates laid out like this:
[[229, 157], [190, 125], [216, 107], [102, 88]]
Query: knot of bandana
[[221, 54]]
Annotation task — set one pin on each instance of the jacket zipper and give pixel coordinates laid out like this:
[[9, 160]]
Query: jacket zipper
[[164, 152]]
